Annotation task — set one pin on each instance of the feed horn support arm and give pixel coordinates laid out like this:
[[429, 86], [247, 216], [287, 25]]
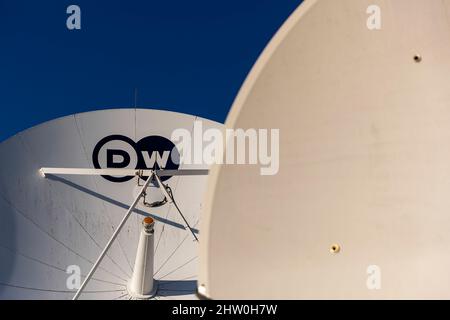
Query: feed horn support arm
[[125, 172]]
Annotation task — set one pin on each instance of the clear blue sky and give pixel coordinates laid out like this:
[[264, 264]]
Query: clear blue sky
[[185, 56]]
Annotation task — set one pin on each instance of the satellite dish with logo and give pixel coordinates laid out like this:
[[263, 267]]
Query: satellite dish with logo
[[360, 205], [65, 187]]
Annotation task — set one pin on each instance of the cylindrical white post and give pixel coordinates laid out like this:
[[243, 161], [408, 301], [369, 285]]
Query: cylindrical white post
[[142, 285]]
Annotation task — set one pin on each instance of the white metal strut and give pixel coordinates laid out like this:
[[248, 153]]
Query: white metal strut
[[125, 172]]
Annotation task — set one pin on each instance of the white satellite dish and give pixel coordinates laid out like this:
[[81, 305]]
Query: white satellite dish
[[65, 187], [360, 206]]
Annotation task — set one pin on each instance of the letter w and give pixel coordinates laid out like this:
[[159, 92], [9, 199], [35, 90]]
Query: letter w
[[155, 157]]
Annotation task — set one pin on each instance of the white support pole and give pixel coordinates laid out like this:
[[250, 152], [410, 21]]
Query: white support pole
[[142, 285], [121, 172], [113, 237]]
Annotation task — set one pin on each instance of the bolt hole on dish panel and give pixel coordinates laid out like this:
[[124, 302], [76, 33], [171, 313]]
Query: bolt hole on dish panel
[[53, 227], [364, 178]]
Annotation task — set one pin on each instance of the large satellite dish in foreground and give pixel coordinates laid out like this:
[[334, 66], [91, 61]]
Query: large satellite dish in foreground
[[52, 226], [362, 196]]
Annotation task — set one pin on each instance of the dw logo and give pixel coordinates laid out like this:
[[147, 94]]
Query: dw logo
[[152, 152]]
